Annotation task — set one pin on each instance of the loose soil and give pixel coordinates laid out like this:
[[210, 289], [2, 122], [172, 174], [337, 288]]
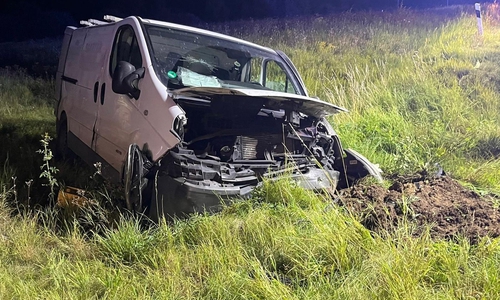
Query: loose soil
[[450, 209]]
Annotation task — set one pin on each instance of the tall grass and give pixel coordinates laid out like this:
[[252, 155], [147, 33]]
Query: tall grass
[[283, 244], [27, 116], [422, 87], [26, 113]]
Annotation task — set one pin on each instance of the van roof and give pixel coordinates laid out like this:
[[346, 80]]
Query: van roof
[[108, 20]]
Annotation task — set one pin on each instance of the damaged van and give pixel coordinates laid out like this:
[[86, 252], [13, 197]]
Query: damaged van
[[186, 118]]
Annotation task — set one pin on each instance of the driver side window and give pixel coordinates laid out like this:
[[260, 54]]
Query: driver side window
[[276, 79], [125, 48]]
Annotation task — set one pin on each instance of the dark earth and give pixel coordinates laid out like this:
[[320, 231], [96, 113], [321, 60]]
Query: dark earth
[[451, 210]]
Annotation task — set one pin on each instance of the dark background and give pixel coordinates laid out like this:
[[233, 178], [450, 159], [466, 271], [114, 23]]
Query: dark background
[[31, 19]]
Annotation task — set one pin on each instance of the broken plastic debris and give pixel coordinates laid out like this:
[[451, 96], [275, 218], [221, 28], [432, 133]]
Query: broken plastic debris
[[71, 196]]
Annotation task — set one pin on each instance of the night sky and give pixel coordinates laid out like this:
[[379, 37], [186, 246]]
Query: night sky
[[32, 19]]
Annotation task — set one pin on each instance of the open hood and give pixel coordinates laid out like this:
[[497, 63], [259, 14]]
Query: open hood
[[272, 99]]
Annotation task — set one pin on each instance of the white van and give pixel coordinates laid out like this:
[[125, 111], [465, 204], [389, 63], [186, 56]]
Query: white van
[[185, 117]]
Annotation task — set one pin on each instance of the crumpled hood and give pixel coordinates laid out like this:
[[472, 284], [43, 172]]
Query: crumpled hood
[[273, 100]]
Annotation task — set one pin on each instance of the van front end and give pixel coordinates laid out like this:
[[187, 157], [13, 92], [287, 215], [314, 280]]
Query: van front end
[[185, 182]]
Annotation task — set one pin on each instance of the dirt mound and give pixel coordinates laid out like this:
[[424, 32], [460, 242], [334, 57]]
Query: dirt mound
[[441, 202]]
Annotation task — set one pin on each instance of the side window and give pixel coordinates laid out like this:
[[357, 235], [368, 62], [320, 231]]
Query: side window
[[125, 48], [255, 70], [276, 79]]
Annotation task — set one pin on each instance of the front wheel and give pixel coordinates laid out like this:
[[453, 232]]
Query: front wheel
[[134, 181]]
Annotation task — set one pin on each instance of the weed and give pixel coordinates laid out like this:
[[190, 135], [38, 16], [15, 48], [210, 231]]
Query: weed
[[48, 171]]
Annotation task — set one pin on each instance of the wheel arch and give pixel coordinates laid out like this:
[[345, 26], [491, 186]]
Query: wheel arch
[[61, 119]]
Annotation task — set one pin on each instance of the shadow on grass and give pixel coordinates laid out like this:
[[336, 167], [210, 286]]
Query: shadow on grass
[[22, 163]]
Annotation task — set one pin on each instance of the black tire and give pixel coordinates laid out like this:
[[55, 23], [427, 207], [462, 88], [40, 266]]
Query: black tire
[[135, 184], [62, 150]]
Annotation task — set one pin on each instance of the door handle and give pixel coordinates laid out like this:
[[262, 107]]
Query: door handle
[[103, 91], [96, 87]]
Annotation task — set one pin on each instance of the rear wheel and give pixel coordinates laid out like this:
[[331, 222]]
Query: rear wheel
[[62, 150]]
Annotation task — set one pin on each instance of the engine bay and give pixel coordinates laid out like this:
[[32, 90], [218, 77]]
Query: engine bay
[[239, 142]]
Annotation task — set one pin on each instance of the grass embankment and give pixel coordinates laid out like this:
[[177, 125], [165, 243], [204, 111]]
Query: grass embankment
[[291, 245], [421, 89]]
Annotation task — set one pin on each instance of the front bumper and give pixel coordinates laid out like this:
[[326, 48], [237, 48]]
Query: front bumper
[[179, 196]]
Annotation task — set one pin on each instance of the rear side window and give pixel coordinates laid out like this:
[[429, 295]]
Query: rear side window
[[276, 79], [125, 48]]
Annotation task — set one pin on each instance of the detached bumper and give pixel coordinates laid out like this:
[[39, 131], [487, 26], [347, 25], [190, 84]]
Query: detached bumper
[[179, 196]]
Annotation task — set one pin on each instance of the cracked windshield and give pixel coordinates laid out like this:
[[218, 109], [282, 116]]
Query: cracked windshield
[[185, 59]]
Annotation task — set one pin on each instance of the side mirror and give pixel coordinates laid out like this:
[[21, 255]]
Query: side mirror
[[126, 78]]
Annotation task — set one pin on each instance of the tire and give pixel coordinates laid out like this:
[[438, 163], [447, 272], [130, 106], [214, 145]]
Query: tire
[[134, 181], [62, 150]]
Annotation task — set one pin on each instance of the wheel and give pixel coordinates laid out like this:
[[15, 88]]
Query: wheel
[[134, 181], [62, 150]]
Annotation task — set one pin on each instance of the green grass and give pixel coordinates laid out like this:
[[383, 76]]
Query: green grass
[[284, 244], [421, 88], [26, 113]]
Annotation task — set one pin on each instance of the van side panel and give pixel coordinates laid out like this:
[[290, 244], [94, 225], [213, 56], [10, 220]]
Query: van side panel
[[146, 121], [68, 33], [71, 91], [107, 124], [94, 54], [71, 68], [84, 65]]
